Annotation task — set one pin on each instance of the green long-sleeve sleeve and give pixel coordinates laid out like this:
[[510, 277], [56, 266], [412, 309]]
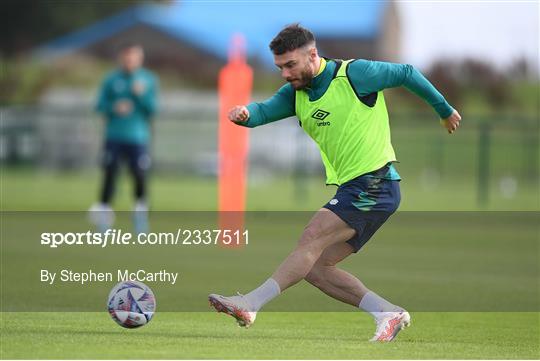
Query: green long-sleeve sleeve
[[104, 104], [372, 76], [365, 76], [279, 106]]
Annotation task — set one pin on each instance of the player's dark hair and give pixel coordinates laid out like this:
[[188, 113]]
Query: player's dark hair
[[292, 37], [128, 45]]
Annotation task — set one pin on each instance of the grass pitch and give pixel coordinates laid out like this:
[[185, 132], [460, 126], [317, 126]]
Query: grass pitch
[[275, 335], [466, 261], [45, 191]]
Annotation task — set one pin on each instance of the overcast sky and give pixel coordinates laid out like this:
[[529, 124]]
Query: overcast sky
[[497, 31]]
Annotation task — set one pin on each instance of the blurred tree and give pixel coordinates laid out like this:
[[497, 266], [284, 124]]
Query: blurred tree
[[443, 74], [27, 23], [459, 79], [520, 70], [484, 77]]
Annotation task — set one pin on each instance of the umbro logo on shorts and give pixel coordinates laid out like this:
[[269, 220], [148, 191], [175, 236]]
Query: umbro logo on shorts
[[320, 114]]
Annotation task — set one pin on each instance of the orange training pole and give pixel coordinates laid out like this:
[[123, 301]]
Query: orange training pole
[[234, 83]]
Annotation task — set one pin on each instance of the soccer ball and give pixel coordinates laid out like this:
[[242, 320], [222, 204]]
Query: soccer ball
[[131, 304]]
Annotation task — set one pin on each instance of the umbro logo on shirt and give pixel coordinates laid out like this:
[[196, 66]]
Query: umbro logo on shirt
[[320, 114]]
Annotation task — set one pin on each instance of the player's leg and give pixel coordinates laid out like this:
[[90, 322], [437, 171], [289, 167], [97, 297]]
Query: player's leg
[[333, 281], [101, 214], [343, 286], [111, 160], [139, 163], [365, 204], [324, 229]]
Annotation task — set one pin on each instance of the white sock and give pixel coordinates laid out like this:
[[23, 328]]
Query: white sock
[[101, 207], [376, 305], [263, 294], [141, 206]]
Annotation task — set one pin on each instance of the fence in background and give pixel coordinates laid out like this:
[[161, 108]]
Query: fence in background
[[64, 133]]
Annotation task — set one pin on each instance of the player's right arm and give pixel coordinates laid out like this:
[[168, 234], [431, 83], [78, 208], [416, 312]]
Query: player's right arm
[[104, 104], [279, 106]]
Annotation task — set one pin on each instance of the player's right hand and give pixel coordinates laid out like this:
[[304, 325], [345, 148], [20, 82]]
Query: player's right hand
[[123, 107], [239, 114]]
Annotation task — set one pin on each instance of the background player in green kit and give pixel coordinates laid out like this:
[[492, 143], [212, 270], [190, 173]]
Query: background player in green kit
[[127, 101], [340, 104]]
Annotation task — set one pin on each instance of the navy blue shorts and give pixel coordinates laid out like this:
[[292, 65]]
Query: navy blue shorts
[[136, 155], [365, 203]]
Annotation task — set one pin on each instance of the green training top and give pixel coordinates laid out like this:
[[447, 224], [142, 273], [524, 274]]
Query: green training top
[[352, 133], [366, 80], [132, 128]]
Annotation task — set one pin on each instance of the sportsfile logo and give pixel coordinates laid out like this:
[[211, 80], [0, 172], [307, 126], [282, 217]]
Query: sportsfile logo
[[112, 237], [321, 115]]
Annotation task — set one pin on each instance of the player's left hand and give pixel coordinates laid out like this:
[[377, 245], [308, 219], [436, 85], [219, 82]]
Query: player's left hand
[[452, 122], [138, 87]]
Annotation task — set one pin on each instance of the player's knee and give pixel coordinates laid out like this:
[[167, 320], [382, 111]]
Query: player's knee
[[317, 276], [139, 177], [110, 169], [307, 254]]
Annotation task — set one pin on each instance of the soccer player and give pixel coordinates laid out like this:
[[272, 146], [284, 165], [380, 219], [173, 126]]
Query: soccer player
[[127, 101], [340, 104]]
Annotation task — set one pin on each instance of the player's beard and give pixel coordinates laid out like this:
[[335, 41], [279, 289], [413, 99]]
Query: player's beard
[[304, 80]]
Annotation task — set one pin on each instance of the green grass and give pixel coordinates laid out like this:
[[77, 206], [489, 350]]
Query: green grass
[[440, 262], [488, 263], [205, 335], [48, 191]]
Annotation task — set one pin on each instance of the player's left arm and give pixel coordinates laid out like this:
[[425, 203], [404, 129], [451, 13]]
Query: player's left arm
[[145, 93], [372, 76]]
